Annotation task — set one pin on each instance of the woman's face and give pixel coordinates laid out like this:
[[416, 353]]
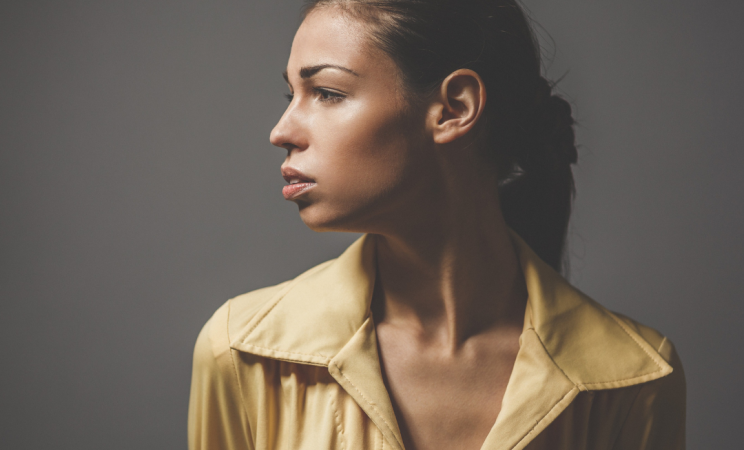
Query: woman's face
[[355, 151]]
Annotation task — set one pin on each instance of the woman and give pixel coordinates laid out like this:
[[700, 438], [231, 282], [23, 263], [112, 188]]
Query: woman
[[427, 126]]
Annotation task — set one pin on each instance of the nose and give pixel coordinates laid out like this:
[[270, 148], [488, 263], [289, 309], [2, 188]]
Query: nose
[[287, 133]]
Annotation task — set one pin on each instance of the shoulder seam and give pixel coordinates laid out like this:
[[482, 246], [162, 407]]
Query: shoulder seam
[[663, 341]]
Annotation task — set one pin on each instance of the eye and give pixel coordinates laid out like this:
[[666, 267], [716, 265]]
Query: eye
[[289, 96], [328, 96]]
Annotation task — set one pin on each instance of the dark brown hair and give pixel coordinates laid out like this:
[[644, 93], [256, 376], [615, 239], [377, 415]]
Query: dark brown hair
[[530, 136]]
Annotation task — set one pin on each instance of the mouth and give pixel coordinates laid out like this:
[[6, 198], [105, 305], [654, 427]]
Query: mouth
[[299, 183]]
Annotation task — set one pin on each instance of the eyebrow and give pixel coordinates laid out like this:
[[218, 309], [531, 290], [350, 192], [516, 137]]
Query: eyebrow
[[309, 72]]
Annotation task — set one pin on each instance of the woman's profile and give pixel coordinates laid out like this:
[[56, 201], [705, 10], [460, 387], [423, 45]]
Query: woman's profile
[[427, 126]]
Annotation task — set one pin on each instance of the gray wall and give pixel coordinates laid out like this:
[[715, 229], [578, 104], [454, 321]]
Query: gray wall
[[138, 191]]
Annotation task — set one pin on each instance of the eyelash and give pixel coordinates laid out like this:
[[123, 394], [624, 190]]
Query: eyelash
[[325, 95]]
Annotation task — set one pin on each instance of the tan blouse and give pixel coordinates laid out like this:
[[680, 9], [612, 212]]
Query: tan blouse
[[295, 366]]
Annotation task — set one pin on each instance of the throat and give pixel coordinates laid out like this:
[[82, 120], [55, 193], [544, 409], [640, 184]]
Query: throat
[[446, 303]]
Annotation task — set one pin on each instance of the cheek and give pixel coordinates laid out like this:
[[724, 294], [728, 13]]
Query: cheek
[[370, 156], [366, 161]]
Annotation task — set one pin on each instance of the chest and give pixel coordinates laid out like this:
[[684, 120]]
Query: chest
[[447, 400]]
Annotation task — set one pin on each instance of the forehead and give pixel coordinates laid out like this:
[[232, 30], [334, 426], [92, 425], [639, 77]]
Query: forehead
[[328, 36]]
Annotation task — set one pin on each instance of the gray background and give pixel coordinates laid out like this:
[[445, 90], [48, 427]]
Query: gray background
[[138, 191]]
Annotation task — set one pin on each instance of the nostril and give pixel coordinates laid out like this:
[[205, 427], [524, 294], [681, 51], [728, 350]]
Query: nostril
[[281, 140]]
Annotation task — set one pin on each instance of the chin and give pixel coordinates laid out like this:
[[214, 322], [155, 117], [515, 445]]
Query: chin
[[315, 218], [321, 219]]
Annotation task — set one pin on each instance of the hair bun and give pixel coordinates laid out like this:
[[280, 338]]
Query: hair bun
[[554, 128]]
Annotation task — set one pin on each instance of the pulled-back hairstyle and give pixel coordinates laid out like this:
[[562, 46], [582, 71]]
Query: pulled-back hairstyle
[[529, 131]]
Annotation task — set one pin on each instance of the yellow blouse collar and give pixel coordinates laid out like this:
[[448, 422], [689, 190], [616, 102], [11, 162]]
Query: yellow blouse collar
[[569, 343]]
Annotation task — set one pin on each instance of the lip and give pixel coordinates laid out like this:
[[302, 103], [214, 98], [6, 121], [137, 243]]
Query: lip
[[299, 183]]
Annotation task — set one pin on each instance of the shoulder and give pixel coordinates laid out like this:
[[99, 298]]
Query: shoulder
[[236, 313], [663, 346], [654, 338], [666, 395], [242, 309], [218, 416], [657, 416], [216, 334]]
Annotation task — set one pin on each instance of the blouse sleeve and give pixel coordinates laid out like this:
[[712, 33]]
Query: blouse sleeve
[[217, 419], [656, 421]]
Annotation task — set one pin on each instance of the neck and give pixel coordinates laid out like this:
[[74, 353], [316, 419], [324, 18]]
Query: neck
[[453, 272]]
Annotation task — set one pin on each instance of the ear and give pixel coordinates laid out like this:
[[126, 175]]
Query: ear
[[458, 106]]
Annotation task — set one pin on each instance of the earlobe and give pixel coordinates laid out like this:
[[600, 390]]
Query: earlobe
[[460, 104]]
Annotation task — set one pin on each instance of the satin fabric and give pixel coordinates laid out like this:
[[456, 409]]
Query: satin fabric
[[295, 366]]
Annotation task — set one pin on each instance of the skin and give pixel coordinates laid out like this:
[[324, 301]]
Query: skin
[[450, 297]]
